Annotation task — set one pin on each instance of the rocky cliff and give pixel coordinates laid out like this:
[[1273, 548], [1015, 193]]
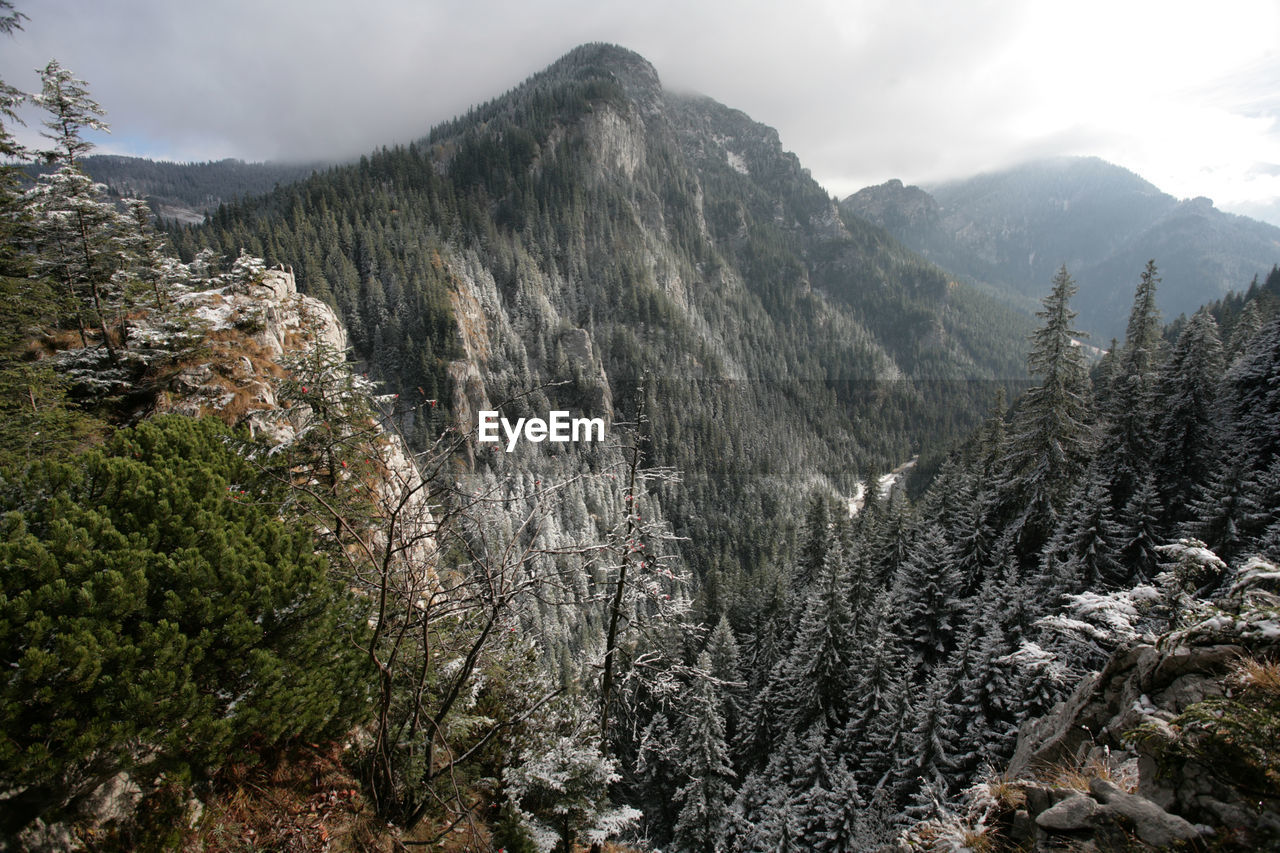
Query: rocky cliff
[[1169, 746]]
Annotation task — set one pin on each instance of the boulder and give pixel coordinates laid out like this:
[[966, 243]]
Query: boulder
[[1151, 823], [1077, 813]]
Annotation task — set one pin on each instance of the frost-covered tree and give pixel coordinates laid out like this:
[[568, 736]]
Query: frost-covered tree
[[561, 789], [657, 775], [816, 675], [70, 113], [1125, 450], [78, 238], [79, 235], [726, 668], [927, 609], [825, 802], [1085, 549], [1238, 504], [1188, 423], [1050, 440], [932, 738], [985, 704], [1140, 533], [706, 792]]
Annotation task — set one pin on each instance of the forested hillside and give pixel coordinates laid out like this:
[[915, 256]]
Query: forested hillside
[[589, 227], [1011, 229], [187, 191], [262, 592]]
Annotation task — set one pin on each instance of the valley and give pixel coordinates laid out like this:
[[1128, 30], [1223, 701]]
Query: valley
[[286, 498]]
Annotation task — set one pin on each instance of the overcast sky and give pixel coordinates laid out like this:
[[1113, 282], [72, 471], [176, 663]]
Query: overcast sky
[[861, 90]]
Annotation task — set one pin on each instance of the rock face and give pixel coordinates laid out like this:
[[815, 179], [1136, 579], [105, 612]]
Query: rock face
[[250, 326], [1151, 823], [1055, 819], [1138, 685], [1140, 712]]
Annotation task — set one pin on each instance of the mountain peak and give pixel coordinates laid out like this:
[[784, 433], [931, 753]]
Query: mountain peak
[[637, 76]]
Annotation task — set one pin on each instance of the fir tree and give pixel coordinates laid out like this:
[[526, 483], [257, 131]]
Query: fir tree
[[78, 234], [931, 737], [1126, 448], [1085, 549], [1050, 442], [1187, 426], [707, 791], [1140, 532], [817, 672], [726, 669], [927, 608]]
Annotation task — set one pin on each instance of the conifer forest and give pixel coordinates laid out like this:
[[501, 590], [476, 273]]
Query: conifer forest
[[872, 557]]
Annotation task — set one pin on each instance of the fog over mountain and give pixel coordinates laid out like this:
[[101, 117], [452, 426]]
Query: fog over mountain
[[1012, 229], [268, 582], [862, 92]]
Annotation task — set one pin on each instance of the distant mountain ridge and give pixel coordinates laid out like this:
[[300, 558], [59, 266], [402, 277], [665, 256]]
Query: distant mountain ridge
[[186, 192], [588, 227], [1012, 229]]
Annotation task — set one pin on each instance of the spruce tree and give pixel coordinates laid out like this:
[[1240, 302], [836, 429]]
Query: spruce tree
[[1140, 532], [1085, 549], [1126, 447], [926, 603], [816, 674], [79, 236], [1050, 440], [1188, 428], [707, 790], [929, 757], [726, 668]]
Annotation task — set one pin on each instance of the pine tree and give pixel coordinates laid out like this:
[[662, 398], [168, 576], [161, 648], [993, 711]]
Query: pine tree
[[707, 792], [1187, 426], [155, 604], [1126, 448], [1050, 442], [816, 674]]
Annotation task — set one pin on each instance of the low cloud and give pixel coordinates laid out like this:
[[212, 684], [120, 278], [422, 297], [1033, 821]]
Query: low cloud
[[860, 91]]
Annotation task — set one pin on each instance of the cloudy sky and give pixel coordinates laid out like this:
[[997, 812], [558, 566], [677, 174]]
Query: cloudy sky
[[861, 90]]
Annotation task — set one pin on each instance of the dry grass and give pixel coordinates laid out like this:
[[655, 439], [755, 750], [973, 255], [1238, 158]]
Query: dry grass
[[53, 343], [1007, 793], [1256, 674], [243, 401], [1078, 776], [304, 800], [980, 840]]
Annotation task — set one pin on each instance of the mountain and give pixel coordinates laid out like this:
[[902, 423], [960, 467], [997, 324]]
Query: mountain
[[187, 192], [680, 635], [1014, 228], [591, 228]]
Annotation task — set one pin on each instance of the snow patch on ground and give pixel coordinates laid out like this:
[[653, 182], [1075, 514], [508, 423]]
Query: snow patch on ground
[[217, 315], [887, 483]]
